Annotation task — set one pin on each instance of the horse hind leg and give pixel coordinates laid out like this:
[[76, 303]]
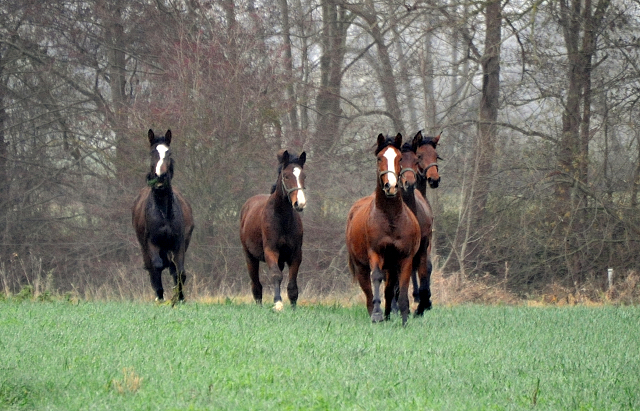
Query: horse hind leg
[[416, 286], [277, 276], [378, 277], [425, 290], [292, 286], [154, 264], [155, 275], [253, 265]]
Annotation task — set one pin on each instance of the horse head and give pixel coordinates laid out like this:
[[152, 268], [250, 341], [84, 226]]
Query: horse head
[[161, 167], [292, 177], [425, 149], [408, 167], [388, 158]]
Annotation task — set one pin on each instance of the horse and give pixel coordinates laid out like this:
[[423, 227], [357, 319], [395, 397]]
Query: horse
[[271, 229], [163, 220], [421, 208], [425, 149], [383, 235]]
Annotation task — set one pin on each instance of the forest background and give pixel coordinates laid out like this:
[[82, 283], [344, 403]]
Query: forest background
[[537, 103]]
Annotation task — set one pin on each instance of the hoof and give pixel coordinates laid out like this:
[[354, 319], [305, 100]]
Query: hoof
[[278, 306]]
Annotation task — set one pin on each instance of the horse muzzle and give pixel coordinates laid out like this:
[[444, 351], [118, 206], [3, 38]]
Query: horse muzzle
[[390, 190], [433, 183]]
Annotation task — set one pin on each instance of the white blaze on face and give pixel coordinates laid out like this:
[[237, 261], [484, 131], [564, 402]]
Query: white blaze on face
[[301, 198], [391, 155], [162, 150]]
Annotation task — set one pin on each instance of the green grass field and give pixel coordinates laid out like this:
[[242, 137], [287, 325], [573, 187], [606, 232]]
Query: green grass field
[[133, 356]]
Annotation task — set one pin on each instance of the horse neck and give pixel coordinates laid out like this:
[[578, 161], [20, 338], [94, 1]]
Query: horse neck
[[281, 203], [163, 200], [421, 185], [409, 198], [390, 205]]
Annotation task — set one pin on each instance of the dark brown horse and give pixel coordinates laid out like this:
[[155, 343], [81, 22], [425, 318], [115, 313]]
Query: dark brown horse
[[383, 235], [425, 149], [271, 229], [421, 208], [163, 220]]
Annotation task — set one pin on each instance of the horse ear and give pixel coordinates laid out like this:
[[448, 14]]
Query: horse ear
[[283, 156], [437, 138], [151, 136], [302, 159], [417, 139], [381, 139], [398, 141], [167, 137]]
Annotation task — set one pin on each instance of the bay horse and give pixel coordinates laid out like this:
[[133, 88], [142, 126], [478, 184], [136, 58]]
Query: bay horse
[[271, 229], [383, 235], [421, 208], [163, 220], [425, 149]]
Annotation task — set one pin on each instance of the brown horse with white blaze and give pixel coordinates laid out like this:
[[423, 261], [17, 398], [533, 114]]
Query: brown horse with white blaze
[[271, 229], [383, 235], [163, 220]]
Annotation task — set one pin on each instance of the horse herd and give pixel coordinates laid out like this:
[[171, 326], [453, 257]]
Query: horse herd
[[388, 234]]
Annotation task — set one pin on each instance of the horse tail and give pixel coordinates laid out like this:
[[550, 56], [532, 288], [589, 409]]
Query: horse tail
[[351, 267]]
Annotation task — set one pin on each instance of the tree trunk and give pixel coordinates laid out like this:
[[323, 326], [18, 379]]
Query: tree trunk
[[288, 67], [468, 239], [579, 23], [334, 30]]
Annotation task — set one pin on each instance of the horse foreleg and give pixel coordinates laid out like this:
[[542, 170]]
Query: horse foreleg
[[391, 292], [275, 270], [292, 286], [425, 287], [154, 265]]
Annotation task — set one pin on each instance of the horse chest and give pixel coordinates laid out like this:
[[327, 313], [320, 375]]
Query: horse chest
[[164, 231]]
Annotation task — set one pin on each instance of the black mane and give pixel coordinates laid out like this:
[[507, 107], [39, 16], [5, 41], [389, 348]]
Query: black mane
[[389, 141], [427, 140], [407, 147]]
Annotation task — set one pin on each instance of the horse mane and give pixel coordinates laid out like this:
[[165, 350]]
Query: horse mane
[[292, 159], [427, 140], [407, 147], [389, 141]]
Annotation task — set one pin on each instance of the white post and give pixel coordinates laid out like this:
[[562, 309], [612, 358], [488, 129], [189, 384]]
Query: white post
[[610, 277]]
